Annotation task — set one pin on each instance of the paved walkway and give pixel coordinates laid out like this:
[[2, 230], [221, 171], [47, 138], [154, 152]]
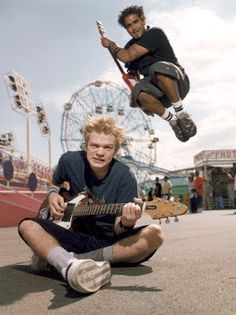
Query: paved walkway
[[193, 273]]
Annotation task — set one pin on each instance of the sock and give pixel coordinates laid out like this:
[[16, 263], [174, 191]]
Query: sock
[[96, 255], [108, 254], [167, 115], [101, 254], [59, 258], [178, 107]]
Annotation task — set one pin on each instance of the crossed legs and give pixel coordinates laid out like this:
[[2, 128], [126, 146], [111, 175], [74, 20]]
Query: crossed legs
[[132, 249]]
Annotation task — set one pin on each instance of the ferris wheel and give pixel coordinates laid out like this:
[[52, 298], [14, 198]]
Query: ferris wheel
[[105, 97]]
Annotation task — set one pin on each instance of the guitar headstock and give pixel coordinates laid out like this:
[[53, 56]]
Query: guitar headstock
[[100, 28], [161, 208]]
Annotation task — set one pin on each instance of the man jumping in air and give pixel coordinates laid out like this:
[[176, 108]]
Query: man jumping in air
[[164, 83]]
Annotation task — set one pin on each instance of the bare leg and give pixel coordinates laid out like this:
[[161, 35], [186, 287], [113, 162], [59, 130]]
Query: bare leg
[[151, 103], [169, 87], [137, 247], [37, 238]]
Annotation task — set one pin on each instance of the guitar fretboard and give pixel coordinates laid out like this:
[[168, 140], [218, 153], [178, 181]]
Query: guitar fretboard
[[84, 210]]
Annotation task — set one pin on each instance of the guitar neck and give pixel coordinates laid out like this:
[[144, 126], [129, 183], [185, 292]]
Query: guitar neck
[[117, 62], [85, 210]]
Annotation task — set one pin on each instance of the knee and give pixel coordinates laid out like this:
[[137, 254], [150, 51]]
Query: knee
[[144, 98], [155, 236], [26, 227]]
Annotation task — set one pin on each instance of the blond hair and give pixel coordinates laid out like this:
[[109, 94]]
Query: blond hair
[[103, 124]]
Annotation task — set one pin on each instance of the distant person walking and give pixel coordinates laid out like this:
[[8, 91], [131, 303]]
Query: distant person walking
[[219, 201], [192, 194], [200, 187], [142, 193], [150, 194], [208, 195], [158, 188], [166, 188], [232, 178]]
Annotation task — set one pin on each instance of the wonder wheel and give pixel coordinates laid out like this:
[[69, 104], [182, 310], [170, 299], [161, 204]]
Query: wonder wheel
[[105, 97]]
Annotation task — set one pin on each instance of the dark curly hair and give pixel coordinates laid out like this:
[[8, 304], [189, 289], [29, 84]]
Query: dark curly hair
[[133, 9]]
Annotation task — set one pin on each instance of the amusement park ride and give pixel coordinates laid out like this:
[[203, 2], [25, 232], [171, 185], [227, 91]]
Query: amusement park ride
[[25, 179], [105, 97]]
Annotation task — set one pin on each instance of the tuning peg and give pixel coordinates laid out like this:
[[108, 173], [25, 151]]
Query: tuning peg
[[176, 220], [167, 220]]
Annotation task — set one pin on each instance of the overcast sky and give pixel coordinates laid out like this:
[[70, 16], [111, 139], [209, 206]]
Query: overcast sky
[[55, 45]]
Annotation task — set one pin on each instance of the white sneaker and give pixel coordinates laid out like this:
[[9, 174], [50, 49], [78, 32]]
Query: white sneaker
[[87, 275], [39, 264]]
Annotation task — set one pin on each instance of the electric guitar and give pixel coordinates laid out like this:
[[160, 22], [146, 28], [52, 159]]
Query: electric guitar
[[80, 206], [127, 79]]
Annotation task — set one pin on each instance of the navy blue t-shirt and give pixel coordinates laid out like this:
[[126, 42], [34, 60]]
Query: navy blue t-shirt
[[118, 186], [160, 49]]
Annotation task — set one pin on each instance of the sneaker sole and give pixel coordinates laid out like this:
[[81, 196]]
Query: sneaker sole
[[189, 129], [88, 276], [180, 135]]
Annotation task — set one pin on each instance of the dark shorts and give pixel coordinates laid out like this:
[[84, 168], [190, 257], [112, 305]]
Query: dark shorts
[[78, 242], [148, 86]]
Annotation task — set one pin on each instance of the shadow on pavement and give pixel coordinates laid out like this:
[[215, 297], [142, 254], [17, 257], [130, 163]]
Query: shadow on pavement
[[139, 270], [18, 281]]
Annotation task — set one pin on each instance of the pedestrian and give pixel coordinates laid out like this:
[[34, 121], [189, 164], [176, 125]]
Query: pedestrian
[[83, 253], [165, 82], [150, 194], [158, 188], [219, 201], [200, 188], [142, 193], [166, 188], [192, 194], [208, 195], [232, 179]]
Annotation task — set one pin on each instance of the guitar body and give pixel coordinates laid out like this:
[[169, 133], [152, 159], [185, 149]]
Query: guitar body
[[72, 202]]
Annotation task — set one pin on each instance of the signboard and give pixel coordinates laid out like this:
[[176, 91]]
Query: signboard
[[215, 155]]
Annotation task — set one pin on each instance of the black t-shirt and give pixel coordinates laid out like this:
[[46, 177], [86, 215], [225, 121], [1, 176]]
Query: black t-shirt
[[160, 49], [118, 186]]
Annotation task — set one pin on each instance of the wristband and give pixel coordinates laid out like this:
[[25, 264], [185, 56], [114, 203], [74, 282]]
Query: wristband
[[52, 190], [125, 228]]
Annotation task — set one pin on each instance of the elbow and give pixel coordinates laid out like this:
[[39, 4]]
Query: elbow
[[124, 56]]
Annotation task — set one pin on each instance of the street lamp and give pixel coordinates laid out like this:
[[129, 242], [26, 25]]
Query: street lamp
[[45, 130], [154, 141], [21, 99], [7, 138], [151, 146]]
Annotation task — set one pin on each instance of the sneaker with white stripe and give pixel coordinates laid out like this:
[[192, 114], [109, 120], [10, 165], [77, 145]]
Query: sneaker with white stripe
[[87, 275], [178, 130]]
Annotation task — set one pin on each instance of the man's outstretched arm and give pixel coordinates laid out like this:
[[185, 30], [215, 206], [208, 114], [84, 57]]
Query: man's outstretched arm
[[125, 55]]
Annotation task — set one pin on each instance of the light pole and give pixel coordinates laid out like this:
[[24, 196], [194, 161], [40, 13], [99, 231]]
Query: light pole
[[154, 141], [45, 130], [151, 146], [22, 102]]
